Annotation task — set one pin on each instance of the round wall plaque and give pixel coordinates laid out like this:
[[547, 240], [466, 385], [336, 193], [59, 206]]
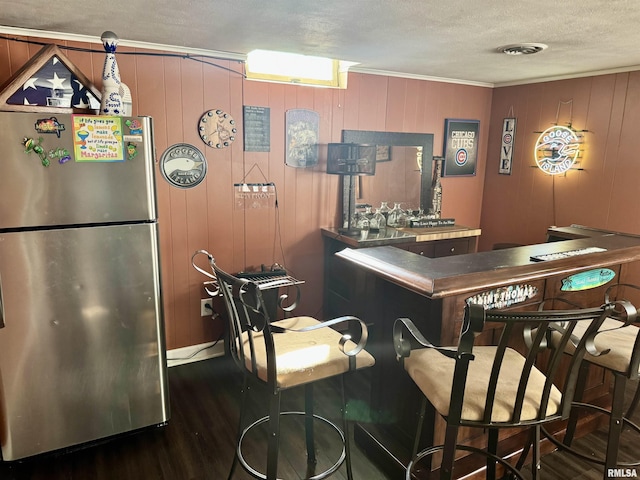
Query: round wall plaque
[[183, 165], [217, 128]]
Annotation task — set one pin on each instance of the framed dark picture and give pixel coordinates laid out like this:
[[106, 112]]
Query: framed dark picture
[[460, 147], [257, 128], [302, 130]]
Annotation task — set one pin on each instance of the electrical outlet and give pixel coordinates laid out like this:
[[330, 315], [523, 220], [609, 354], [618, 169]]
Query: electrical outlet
[[206, 309]]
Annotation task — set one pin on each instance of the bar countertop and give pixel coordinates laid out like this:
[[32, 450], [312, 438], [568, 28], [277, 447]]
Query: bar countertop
[[441, 277], [401, 235]]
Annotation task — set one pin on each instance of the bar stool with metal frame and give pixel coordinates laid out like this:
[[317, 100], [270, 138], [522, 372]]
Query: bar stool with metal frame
[[496, 386], [619, 343], [280, 355]]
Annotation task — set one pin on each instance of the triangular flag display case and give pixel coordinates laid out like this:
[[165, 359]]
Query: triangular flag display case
[[49, 82]]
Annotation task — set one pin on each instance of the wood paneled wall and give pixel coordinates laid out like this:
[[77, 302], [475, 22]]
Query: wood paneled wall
[[176, 91], [519, 207]]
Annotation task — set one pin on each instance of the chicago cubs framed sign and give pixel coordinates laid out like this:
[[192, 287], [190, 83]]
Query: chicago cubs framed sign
[[460, 147]]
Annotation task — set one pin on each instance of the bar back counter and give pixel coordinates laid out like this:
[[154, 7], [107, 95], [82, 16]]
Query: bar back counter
[[381, 283]]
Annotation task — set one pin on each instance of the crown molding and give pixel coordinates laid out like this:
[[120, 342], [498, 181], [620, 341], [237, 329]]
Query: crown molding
[[25, 32]]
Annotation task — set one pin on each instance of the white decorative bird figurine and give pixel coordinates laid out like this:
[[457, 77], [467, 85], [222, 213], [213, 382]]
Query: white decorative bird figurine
[[182, 164]]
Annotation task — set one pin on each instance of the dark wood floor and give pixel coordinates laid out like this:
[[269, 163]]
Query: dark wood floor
[[197, 443]]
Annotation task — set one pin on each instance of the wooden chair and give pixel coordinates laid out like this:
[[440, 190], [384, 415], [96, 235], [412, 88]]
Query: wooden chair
[[619, 342], [493, 387], [280, 355]]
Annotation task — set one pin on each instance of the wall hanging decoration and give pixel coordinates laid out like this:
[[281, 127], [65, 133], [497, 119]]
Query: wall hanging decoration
[[183, 165], [302, 129], [257, 129], [217, 128], [558, 147], [49, 82], [508, 142], [460, 147], [254, 195], [556, 150]]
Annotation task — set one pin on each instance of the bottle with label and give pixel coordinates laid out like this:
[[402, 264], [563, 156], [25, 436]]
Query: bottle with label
[[111, 102], [436, 189]]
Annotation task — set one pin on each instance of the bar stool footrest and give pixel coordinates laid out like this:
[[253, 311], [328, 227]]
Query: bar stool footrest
[[590, 458], [251, 470], [431, 450]]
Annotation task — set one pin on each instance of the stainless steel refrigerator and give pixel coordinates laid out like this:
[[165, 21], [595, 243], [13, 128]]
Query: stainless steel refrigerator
[[82, 352]]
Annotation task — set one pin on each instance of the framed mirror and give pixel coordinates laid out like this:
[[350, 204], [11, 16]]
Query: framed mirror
[[398, 173]]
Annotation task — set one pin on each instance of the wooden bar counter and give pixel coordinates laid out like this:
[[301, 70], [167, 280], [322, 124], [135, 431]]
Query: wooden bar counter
[[342, 287], [392, 282]]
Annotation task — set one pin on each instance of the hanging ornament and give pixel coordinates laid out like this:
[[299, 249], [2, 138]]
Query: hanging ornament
[[112, 102]]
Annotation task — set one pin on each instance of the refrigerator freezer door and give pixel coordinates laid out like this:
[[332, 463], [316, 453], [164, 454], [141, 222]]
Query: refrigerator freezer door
[[72, 193], [82, 353]]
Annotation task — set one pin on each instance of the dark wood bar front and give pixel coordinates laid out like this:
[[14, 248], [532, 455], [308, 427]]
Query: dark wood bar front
[[386, 282]]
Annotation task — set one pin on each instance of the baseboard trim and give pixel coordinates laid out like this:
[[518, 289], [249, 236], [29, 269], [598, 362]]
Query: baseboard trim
[[194, 353]]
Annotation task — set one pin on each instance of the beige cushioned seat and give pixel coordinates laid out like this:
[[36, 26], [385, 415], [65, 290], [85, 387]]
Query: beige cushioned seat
[[303, 357], [433, 373], [620, 340]]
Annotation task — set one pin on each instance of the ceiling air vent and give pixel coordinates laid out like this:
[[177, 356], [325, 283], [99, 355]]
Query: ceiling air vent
[[522, 48]]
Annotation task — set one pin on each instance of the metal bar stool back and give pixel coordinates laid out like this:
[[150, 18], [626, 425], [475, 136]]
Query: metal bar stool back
[[275, 356], [618, 346], [500, 385]]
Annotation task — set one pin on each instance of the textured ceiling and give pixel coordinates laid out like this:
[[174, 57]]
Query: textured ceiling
[[453, 39]]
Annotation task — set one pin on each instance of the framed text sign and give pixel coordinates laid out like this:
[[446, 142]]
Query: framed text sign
[[460, 147], [98, 138], [508, 141], [257, 129]]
